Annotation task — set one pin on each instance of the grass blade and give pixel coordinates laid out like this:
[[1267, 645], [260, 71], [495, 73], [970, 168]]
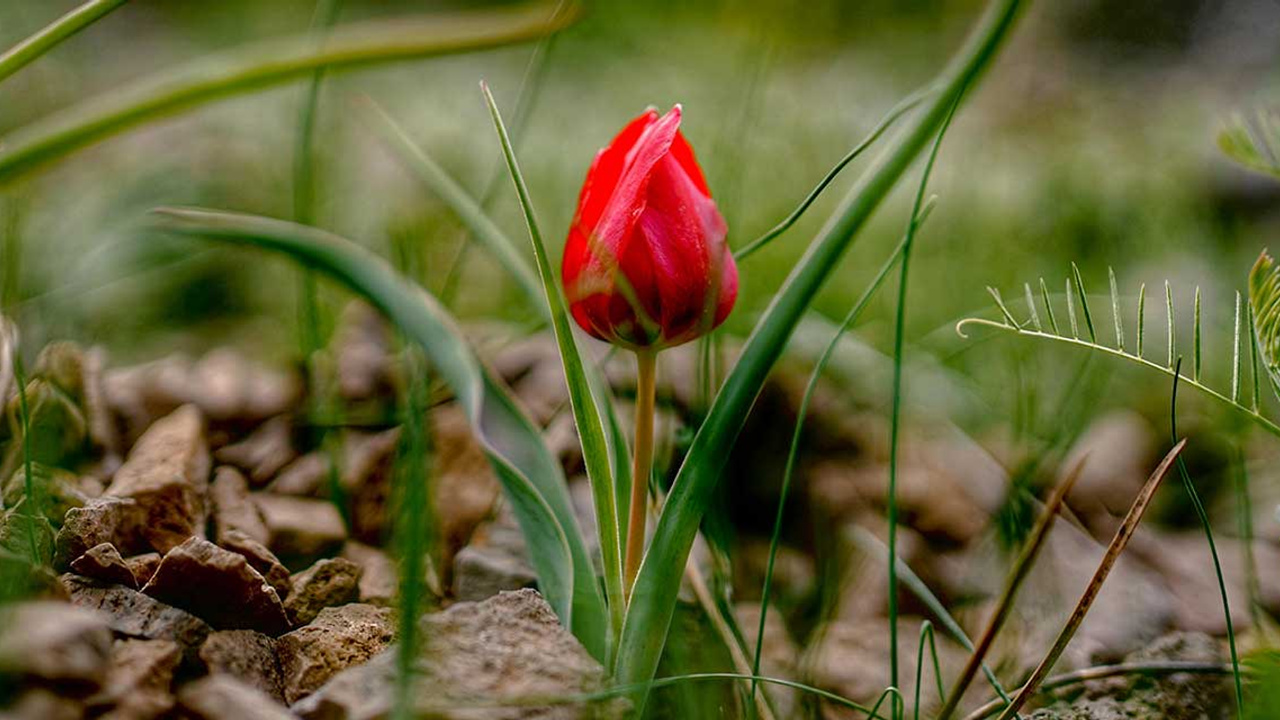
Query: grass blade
[[1236, 359], [1195, 339], [1031, 307], [466, 208], [653, 600], [1190, 487], [885, 123], [263, 65], [1071, 309], [1142, 316], [1168, 309], [1048, 307], [1004, 310], [1084, 302], [1118, 543], [1115, 308], [530, 475], [1004, 604], [586, 414], [49, 37]]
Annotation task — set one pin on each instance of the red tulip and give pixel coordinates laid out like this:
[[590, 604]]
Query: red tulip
[[646, 265]]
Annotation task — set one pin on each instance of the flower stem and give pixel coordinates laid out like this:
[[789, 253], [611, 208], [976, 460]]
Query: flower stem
[[642, 461]]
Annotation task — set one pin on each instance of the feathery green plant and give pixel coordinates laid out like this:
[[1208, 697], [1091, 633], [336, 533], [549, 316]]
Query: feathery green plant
[[1253, 140], [1264, 302]]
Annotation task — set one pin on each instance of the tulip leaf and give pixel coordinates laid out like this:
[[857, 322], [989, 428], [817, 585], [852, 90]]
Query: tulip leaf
[[654, 596], [265, 64], [586, 412], [530, 474]]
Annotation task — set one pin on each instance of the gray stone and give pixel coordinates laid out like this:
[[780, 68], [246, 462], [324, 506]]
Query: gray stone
[[131, 613], [137, 686], [331, 582], [55, 643], [303, 530], [261, 559], [218, 586], [337, 639], [103, 562], [232, 509], [264, 452], [378, 576], [222, 697], [246, 655], [508, 646]]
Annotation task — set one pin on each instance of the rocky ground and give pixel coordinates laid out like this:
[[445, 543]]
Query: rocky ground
[[202, 559]]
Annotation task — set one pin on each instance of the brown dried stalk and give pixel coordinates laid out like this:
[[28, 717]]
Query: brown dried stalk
[[1021, 569], [1118, 543]]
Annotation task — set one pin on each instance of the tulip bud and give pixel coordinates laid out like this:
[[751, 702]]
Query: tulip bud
[[646, 265]]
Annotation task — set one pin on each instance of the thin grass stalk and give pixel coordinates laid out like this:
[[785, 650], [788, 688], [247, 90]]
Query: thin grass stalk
[[1236, 359], [642, 465], [1048, 307], [1103, 672], [897, 111], [793, 451], [413, 528], [1253, 358], [1126, 530], [895, 421], [1244, 519], [926, 632], [1004, 604], [1115, 308], [1195, 339], [647, 621], [1142, 316], [49, 37], [1170, 330], [265, 64], [1190, 487]]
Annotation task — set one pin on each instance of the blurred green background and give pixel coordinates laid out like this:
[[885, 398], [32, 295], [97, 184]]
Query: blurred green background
[[1092, 141]]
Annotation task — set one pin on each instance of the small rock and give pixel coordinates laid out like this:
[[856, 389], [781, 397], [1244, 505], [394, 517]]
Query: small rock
[[302, 529], [264, 453], [378, 577], [303, 477], [496, 560], [337, 639], [508, 646], [232, 509], [464, 484], [137, 686], [218, 586], [143, 566], [102, 520], [55, 643], [246, 655], [362, 345], [222, 697], [37, 703], [131, 613], [1118, 451], [261, 559], [368, 462], [103, 562], [331, 582], [167, 474]]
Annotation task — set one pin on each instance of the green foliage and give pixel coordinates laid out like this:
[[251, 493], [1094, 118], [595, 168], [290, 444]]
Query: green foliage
[[1264, 304], [32, 48], [1253, 140], [531, 476]]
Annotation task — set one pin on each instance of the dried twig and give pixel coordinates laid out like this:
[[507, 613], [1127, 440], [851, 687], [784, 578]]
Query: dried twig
[[1021, 568], [1118, 543]]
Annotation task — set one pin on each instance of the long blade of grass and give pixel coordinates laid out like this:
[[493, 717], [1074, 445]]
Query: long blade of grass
[[653, 599], [50, 36], [1236, 359], [794, 450], [1142, 316], [895, 414], [1048, 307], [466, 208], [530, 474], [1115, 308], [1031, 306], [897, 111], [1126, 530], [926, 633], [1190, 487], [1172, 346], [586, 414], [265, 64], [1084, 302], [1195, 339], [1004, 604]]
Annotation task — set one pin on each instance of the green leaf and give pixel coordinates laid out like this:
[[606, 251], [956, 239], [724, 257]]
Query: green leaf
[[1264, 301], [50, 36], [530, 474], [1253, 140], [265, 64], [586, 413], [654, 596]]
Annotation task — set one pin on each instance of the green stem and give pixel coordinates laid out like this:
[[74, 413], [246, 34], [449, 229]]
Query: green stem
[[641, 462], [25, 52]]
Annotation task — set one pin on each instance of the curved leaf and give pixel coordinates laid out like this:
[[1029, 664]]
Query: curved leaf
[[48, 37], [531, 476], [1253, 141], [1264, 301], [264, 64]]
